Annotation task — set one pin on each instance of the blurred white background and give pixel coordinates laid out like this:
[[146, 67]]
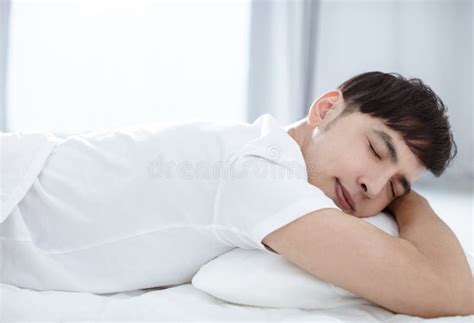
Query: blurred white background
[[76, 65]]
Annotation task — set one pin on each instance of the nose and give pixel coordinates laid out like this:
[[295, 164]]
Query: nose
[[372, 184]]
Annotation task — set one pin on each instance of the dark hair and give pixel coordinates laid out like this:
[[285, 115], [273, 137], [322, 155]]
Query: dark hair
[[409, 107]]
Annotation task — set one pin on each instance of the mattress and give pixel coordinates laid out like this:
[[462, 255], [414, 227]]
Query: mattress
[[185, 302]]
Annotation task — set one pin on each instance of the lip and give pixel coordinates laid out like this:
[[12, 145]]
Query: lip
[[344, 198]]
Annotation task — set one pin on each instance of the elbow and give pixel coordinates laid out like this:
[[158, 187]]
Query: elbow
[[455, 299], [434, 291], [459, 291], [444, 298], [462, 296]]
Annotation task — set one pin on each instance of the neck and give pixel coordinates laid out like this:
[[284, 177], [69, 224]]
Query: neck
[[300, 131]]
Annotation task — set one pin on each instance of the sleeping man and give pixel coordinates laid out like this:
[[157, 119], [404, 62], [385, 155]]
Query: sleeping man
[[148, 205]]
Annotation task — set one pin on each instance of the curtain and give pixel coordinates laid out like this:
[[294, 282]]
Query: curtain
[[282, 58], [4, 23]]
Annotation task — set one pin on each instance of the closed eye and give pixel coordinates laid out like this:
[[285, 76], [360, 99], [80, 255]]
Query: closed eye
[[373, 150], [393, 191]]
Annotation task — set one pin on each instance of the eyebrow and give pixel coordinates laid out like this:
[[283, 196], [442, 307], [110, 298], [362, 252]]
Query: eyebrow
[[387, 139]]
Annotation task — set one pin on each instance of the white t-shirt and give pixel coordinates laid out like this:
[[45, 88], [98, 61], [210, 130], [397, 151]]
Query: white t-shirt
[[148, 205]]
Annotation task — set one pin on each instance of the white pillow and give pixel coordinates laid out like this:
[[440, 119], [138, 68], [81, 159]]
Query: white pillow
[[254, 277]]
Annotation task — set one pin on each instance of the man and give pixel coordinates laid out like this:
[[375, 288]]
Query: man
[[370, 139], [147, 206]]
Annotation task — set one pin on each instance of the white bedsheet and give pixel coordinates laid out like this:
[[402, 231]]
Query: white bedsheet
[[178, 303], [185, 302]]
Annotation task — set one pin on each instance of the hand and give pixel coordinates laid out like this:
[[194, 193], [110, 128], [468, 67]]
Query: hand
[[405, 200]]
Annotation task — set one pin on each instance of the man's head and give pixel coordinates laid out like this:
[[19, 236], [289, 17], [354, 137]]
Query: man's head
[[372, 137]]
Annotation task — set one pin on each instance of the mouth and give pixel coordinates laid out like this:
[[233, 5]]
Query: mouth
[[344, 199]]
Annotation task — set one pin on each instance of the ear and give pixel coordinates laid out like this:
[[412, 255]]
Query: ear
[[323, 106]]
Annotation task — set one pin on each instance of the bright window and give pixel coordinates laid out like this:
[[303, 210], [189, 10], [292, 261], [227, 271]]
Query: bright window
[[78, 65]]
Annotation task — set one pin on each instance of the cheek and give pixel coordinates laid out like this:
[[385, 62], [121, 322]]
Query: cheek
[[351, 157]]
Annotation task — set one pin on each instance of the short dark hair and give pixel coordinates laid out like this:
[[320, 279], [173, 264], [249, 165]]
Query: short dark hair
[[409, 107]]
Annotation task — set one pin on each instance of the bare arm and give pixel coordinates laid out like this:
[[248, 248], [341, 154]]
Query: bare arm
[[357, 256], [420, 225]]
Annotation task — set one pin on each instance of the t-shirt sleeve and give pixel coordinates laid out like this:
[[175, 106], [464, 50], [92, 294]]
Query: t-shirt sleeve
[[259, 196]]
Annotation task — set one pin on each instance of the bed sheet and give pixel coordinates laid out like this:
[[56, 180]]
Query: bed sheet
[[180, 303]]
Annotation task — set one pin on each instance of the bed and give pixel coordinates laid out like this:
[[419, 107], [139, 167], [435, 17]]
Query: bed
[[186, 302]]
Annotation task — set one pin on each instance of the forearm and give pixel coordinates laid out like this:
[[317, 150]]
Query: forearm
[[420, 225]]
